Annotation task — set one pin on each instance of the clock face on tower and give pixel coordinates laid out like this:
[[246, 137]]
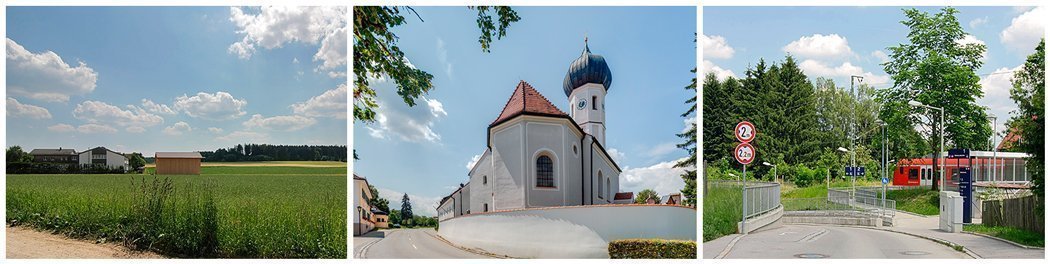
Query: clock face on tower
[[580, 104]]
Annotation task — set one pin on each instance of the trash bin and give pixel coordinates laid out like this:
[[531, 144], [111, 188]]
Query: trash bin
[[951, 211]]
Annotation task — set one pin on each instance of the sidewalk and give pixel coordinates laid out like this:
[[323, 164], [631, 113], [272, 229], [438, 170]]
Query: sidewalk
[[927, 226]]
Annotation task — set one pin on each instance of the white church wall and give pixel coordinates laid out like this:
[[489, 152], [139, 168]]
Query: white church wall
[[610, 179], [567, 232], [480, 189], [507, 169], [545, 138]]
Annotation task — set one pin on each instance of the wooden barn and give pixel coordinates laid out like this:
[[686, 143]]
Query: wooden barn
[[178, 163]]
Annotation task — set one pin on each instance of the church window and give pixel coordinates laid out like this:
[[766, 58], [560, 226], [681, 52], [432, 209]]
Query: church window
[[600, 192], [484, 180], [594, 102], [486, 207], [544, 172], [608, 188]]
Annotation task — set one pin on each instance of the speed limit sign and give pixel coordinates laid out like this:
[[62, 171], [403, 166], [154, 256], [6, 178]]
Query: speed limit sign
[[744, 153], [745, 131]]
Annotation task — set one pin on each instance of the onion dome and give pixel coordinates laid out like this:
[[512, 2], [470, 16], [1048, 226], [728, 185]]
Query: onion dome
[[588, 68]]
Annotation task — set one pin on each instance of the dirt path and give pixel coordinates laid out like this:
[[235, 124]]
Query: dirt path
[[26, 243]]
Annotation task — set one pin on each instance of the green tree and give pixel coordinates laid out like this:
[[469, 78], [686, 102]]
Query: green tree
[[934, 69], [136, 160], [378, 202], [689, 163], [395, 216], [406, 210], [1029, 92], [16, 154], [644, 195]]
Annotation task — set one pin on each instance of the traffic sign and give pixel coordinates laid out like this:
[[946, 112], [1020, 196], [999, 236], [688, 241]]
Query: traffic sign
[[854, 171], [885, 181], [744, 153], [745, 132]]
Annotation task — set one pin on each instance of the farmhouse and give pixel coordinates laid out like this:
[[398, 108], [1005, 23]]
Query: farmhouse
[[363, 222], [103, 156], [381, 219], [178, 162], [59, 155]]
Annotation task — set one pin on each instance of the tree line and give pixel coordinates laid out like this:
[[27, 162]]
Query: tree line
[[267, 152]]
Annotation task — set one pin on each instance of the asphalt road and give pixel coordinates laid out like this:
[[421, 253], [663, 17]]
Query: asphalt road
[[804, 241], [407, 244]]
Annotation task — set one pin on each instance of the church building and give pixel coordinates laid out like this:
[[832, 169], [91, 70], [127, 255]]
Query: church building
[[539, 156]]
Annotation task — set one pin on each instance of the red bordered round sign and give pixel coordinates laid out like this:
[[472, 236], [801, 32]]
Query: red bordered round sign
[[744, 153], [745, 131]]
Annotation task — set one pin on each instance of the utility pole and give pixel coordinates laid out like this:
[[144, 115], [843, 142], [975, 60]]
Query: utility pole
[[853, 128]]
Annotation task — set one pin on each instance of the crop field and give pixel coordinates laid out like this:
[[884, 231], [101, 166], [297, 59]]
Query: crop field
[[229, 212]]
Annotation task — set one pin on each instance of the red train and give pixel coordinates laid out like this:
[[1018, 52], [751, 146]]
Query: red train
[[919, 171]]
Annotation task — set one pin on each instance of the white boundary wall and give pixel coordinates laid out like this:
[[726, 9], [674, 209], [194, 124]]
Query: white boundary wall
[[567, 232]]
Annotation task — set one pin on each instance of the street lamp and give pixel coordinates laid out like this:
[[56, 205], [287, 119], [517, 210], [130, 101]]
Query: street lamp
[[995, 149], [774, 170], [918, 104]]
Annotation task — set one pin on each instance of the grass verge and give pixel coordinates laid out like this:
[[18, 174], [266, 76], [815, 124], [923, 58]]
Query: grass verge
[[1020, 236], [918, 201], [721, 212]]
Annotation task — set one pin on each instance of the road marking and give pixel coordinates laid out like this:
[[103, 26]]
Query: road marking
[[414, 246], [813, 236]]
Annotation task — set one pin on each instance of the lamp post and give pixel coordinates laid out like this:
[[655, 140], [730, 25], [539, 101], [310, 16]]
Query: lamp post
[[918, 104], [774, 171], [884, 158], [853, 179], [995, 149]]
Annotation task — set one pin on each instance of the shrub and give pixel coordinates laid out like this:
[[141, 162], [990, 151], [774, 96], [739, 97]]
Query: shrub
[[804, 176], [652, 249]]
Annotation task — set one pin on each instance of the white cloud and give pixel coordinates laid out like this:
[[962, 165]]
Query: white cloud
[[978, 22], [661, 149], [45, 76], [152, 107], [394, 118], [95, 128], [424, 206], [218, 106], [102, 113], [62, 128], [215, 130], [473, 160], [295, 60], [135, 129], [882, 56], [820, 46], [16, 109], [273, 26], [996, 88], [244, 137], [720, 73], [662, 177], [442, 54], [815, 69], [283, 123], [178, 129], [617, 156], [716, 47], [331, 103], [1025, 30]]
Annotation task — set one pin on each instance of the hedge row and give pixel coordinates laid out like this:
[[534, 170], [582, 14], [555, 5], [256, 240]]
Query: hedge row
[[59, 168], [652, 249]]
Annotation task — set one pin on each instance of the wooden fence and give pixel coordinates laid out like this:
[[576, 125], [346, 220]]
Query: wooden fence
[[1017, 212]]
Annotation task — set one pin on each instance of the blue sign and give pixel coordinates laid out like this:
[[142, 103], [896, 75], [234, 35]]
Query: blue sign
[[854, 171], [966, 191], [885, 181], [958, 153]]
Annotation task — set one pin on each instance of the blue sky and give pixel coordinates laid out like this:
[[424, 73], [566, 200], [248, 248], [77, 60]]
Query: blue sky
[[841, 41], [149, 79], [425, 150]]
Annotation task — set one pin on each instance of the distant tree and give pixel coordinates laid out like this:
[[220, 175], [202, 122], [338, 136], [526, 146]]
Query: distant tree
[[644, 196], [934, 69], [406, 210], [1029, 92], [689, 163], [136, 161], [16, 154], [395, 216], [720, 114]]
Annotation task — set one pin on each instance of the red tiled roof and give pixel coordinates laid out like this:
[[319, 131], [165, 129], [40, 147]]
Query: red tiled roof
[[526, 100], [624, 196], [1010, 140]]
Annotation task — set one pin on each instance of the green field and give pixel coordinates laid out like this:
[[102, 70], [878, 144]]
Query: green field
[[234, 212]]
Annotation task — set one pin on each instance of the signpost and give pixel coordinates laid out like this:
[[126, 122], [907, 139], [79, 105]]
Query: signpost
[[745, 154], [965, 189]]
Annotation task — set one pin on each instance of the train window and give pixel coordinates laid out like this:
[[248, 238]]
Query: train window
[[901, 170], [913, 174]]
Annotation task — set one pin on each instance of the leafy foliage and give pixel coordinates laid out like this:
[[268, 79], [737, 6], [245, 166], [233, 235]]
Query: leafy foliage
[[378, 202], [935, 70], [16, 154], [406, 211], [689, 163], [652, 249], [136, 161], [267, 152], [645, 195], [1029, 92]]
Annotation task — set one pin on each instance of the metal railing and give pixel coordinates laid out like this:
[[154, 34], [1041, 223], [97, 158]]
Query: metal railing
[[866, 199], [760, 198]]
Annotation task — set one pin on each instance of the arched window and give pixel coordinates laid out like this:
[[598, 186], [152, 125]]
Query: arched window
[[608, 188], [600, 192], [544, 172]]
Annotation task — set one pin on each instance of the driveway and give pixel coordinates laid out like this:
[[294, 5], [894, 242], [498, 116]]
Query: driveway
[[417, 243]]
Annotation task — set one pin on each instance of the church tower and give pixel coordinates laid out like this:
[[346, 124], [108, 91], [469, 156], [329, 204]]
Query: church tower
[[586, 84]]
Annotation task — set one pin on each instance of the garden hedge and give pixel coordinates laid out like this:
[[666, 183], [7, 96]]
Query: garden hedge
[[652, 249]]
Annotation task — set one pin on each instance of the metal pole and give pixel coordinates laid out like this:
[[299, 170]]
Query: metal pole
[[995, 148], [943, 174], [743, 193], [884, 166]]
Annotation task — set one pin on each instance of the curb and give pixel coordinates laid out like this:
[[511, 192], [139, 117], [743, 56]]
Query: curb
[[360, 254], [475, 251], [947, 243], [729, 247], [1002, 239]]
